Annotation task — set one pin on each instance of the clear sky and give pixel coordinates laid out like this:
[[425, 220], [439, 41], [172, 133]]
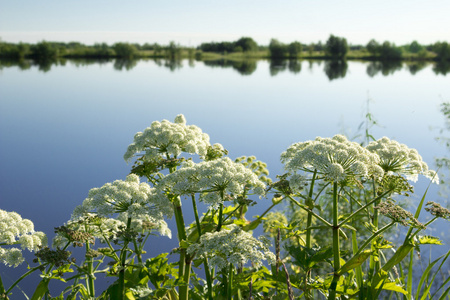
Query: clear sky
[[191, 22]]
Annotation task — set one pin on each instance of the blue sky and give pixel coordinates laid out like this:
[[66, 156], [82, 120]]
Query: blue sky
[[191, 22]]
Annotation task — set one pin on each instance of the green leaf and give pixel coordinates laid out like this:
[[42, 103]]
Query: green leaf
[[41, 289], [428, 239], [392, 286], [354, 262]]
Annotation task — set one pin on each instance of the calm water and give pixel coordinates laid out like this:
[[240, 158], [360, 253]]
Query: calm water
[[64, 128]]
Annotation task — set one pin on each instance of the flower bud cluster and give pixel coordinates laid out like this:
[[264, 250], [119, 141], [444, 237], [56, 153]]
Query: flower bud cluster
[[233, 246], [13, 231], [337, 159], [398, 214], [166, 138], [212, 179], [399, 159]]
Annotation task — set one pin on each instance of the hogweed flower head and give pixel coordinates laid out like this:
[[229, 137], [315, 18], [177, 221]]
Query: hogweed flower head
[[437, 210], [233, 246], [14, 231], [212, 179], [135, 198], [399, 159], [166, 138], [337, 159], [398, 214]]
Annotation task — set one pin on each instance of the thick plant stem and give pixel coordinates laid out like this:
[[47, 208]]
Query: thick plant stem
[[123, 257], [230, 282], [184, 269], [205, 261], [336, 246], [372, 262], [219, 226], [90, 275], [310, 206]]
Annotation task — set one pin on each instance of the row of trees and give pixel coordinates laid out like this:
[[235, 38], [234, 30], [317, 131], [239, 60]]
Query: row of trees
[[51, 50], [335, 48], [244, 44]]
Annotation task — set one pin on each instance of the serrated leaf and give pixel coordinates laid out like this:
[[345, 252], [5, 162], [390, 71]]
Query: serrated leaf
[[428, 239]]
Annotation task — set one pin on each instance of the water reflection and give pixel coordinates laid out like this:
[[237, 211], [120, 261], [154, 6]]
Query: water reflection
[[415, 67], [335, 69], [386, 68], [276, 66], [125, 64], [441, 68], [243, 67]]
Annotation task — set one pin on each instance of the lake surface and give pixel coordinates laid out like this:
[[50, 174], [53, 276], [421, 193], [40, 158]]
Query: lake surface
[[65, 127]]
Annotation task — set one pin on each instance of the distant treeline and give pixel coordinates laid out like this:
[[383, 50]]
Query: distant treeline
[[334, 48]]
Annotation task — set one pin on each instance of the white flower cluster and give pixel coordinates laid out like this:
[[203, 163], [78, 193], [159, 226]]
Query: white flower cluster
[[211, 178], [109, 228], [233, 246], [90, 223], [335, 158], [130, 198], [13, 231], [398, 158], [167, 138]]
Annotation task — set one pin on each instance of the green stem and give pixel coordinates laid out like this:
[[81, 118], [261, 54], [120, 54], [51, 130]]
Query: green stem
[[184, 269], [420, 229], [219, 226], [230, 282], [374, 235], [336, 246], [305, 208], [364, 207], [137, 250], [21, 278], [205, 261], [90, 274], [373, 262], [123, 257], [311, 206]]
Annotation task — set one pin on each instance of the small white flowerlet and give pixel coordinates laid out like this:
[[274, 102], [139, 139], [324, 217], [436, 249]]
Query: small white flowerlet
[[233, 246], [211, 179], [165, 138], [398, 158], [335, 158], [14, 231]]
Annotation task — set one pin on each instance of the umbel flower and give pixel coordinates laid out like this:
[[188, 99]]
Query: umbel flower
[[128, 198], [337, 159], [233, 246], [399, 159], [212, 179], [165, 139], [14, 231]]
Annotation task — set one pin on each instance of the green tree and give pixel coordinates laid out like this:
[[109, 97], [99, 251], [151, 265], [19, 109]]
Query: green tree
[[415, 47], [277, 49], [173, 51], [373, 47], [44, 50], [295, 49], [389, 51], [336, 47], [247, 44], [442, 50], [125, 50]]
